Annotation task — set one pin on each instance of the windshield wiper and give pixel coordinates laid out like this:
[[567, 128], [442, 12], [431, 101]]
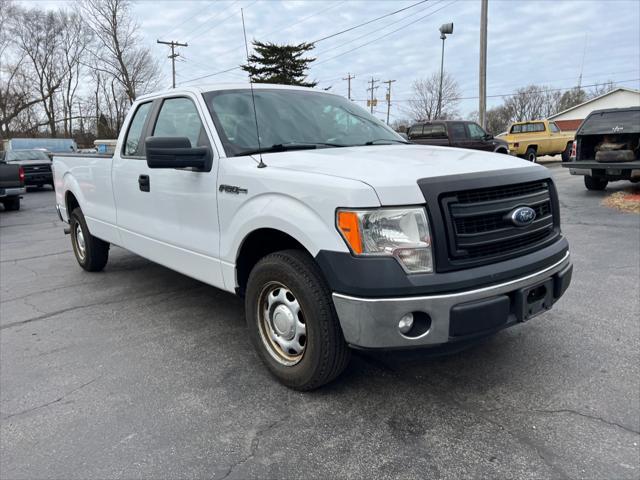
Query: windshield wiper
[[280, 147], [373, 142], [285, 147]]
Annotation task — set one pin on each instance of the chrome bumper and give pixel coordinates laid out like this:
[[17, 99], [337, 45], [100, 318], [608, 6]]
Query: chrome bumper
[[12, 192], [373, 322]]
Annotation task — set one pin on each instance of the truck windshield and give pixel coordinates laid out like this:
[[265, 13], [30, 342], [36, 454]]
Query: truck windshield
[[293, 117]]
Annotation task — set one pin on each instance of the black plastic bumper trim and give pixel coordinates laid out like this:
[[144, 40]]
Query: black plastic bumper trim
[[384, 277]]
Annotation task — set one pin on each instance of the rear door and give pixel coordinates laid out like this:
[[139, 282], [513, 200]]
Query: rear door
[[458, 135], [170, 215]]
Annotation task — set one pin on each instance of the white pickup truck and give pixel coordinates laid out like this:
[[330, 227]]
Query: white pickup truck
[[337, 232]]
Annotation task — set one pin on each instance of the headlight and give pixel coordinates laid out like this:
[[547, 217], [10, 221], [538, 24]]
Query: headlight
[[402, 233]]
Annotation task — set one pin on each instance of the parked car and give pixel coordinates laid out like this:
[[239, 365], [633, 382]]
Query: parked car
[[11, 185], [456, 133], [607, 147], [36, 165], [336, 231], [533, 139]]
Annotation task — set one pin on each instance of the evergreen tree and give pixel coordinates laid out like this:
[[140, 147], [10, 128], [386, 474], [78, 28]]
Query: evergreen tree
[[283, 64]]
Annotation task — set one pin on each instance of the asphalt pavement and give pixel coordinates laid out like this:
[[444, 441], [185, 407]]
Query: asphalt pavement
[[140, 372]]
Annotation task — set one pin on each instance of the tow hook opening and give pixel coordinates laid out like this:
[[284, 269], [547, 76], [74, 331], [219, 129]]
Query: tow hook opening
[[536, 294]]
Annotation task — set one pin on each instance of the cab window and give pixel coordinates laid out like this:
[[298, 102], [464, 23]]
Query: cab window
[[475, 131], [553, 127], [179, 117], [132, 144]]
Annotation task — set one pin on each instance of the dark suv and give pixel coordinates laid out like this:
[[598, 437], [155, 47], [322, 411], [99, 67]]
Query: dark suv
[[456, 133]]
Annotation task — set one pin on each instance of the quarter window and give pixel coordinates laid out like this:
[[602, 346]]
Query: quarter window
[[415, 130], [132, 143], [179, 117]]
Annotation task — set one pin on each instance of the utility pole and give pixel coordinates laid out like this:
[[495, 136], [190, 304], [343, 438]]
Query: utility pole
[[173, 56], [388, 82], [348, 79], [372, 103], [482, 107]]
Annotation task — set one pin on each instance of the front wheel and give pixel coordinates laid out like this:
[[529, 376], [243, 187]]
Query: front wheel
[[595, 183], [292, 321], [91, 252]]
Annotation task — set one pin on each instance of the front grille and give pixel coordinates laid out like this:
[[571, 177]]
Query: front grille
[[479, 228]]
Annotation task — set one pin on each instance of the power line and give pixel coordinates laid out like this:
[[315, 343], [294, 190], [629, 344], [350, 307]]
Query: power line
[[197, 14], [385, 35], [368, 22], [502, 95], [322, 52]]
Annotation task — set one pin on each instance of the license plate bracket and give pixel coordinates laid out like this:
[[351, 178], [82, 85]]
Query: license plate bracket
[[534, 300]]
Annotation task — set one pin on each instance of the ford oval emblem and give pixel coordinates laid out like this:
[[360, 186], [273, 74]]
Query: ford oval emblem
[[522, 216]]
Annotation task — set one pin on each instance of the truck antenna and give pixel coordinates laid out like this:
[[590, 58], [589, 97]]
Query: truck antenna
[[261, 164]]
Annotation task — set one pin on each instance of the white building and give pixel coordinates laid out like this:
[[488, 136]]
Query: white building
[[571, 118]]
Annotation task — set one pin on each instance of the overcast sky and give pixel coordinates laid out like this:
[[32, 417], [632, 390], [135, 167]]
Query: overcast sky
[[541, 42]]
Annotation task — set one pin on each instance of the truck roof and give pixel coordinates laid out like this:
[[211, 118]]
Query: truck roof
[[208, 87]]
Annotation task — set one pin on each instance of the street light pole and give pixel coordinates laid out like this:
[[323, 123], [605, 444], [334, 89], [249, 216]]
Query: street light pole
[[482, 107], [444, 29]]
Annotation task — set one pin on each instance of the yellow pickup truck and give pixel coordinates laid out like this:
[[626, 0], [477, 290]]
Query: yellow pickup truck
[[535, 138]]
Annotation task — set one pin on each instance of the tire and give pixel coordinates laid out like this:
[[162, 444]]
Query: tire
[[91, 252], [288, 286], [11, 203], [566, 153], [595, 183], [530, 155]]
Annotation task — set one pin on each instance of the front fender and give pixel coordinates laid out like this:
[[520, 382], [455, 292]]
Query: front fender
[[284, 213]]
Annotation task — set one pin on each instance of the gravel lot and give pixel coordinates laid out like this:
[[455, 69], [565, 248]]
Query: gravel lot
[[142, 372]]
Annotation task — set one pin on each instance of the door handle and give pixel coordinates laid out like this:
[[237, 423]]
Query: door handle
[[144, 183]]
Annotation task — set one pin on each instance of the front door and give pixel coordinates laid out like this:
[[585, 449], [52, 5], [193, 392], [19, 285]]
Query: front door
[[478, 139], [169, 215]]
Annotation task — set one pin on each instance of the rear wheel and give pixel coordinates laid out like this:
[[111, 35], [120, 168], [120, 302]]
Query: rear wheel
[[566, 154], [292, 321], [11, 203], [91, 252], [531, 155], [595, 183]]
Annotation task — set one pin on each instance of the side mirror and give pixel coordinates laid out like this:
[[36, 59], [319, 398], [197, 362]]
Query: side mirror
[[176, 152], [488, 136]]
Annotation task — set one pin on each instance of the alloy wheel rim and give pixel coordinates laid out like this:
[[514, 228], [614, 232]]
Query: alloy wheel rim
[[282, 324], [80, 243]]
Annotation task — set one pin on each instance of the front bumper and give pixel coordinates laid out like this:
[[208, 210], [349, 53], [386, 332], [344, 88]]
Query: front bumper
[[12, 192], [373, 322]]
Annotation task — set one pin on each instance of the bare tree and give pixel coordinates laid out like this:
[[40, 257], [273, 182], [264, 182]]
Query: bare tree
[[117, 49], [74, 42], [38, 36], [424, 102]]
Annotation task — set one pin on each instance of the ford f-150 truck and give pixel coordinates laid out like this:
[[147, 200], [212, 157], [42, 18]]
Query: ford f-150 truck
[[337, 232], [530, 140]]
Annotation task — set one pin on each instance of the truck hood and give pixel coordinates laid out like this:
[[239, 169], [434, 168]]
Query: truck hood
[[393, 170]]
